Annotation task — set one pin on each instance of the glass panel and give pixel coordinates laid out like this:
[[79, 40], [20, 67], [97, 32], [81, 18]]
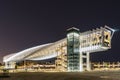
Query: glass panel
[[73, 50]]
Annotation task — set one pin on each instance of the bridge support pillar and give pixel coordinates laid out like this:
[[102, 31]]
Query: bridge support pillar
[[88, 61], [81, 62]]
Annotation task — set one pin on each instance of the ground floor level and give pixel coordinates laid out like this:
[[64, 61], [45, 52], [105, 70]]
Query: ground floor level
[[51, 66]]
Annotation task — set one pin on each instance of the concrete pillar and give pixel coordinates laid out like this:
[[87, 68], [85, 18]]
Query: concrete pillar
[[81, 62], [6, 65], [12, 65], [88, 61], [24, 64]]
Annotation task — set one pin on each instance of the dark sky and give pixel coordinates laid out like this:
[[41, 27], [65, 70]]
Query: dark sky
[[28, 23]]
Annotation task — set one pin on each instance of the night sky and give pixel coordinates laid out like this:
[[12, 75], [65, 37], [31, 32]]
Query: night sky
[[28, 23]]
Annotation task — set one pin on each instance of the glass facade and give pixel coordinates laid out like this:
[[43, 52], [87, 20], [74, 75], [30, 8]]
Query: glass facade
[[73, 49]]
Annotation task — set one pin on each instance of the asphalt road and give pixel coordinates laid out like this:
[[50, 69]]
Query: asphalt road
[[104, 75]]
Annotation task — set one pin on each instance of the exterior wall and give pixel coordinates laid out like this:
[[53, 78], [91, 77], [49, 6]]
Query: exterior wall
[[10, 65], [61, 61], [106, 66]]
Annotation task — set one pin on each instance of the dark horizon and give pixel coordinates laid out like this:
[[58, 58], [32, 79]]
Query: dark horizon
[[25, 24]]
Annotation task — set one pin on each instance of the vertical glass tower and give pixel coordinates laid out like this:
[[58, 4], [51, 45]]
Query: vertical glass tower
[[73, 49]]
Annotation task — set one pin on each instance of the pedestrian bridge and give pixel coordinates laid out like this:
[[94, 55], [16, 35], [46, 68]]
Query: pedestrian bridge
[[90, 41]]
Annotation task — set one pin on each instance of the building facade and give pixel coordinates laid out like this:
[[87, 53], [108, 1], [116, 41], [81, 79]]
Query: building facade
[[100, 66]]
